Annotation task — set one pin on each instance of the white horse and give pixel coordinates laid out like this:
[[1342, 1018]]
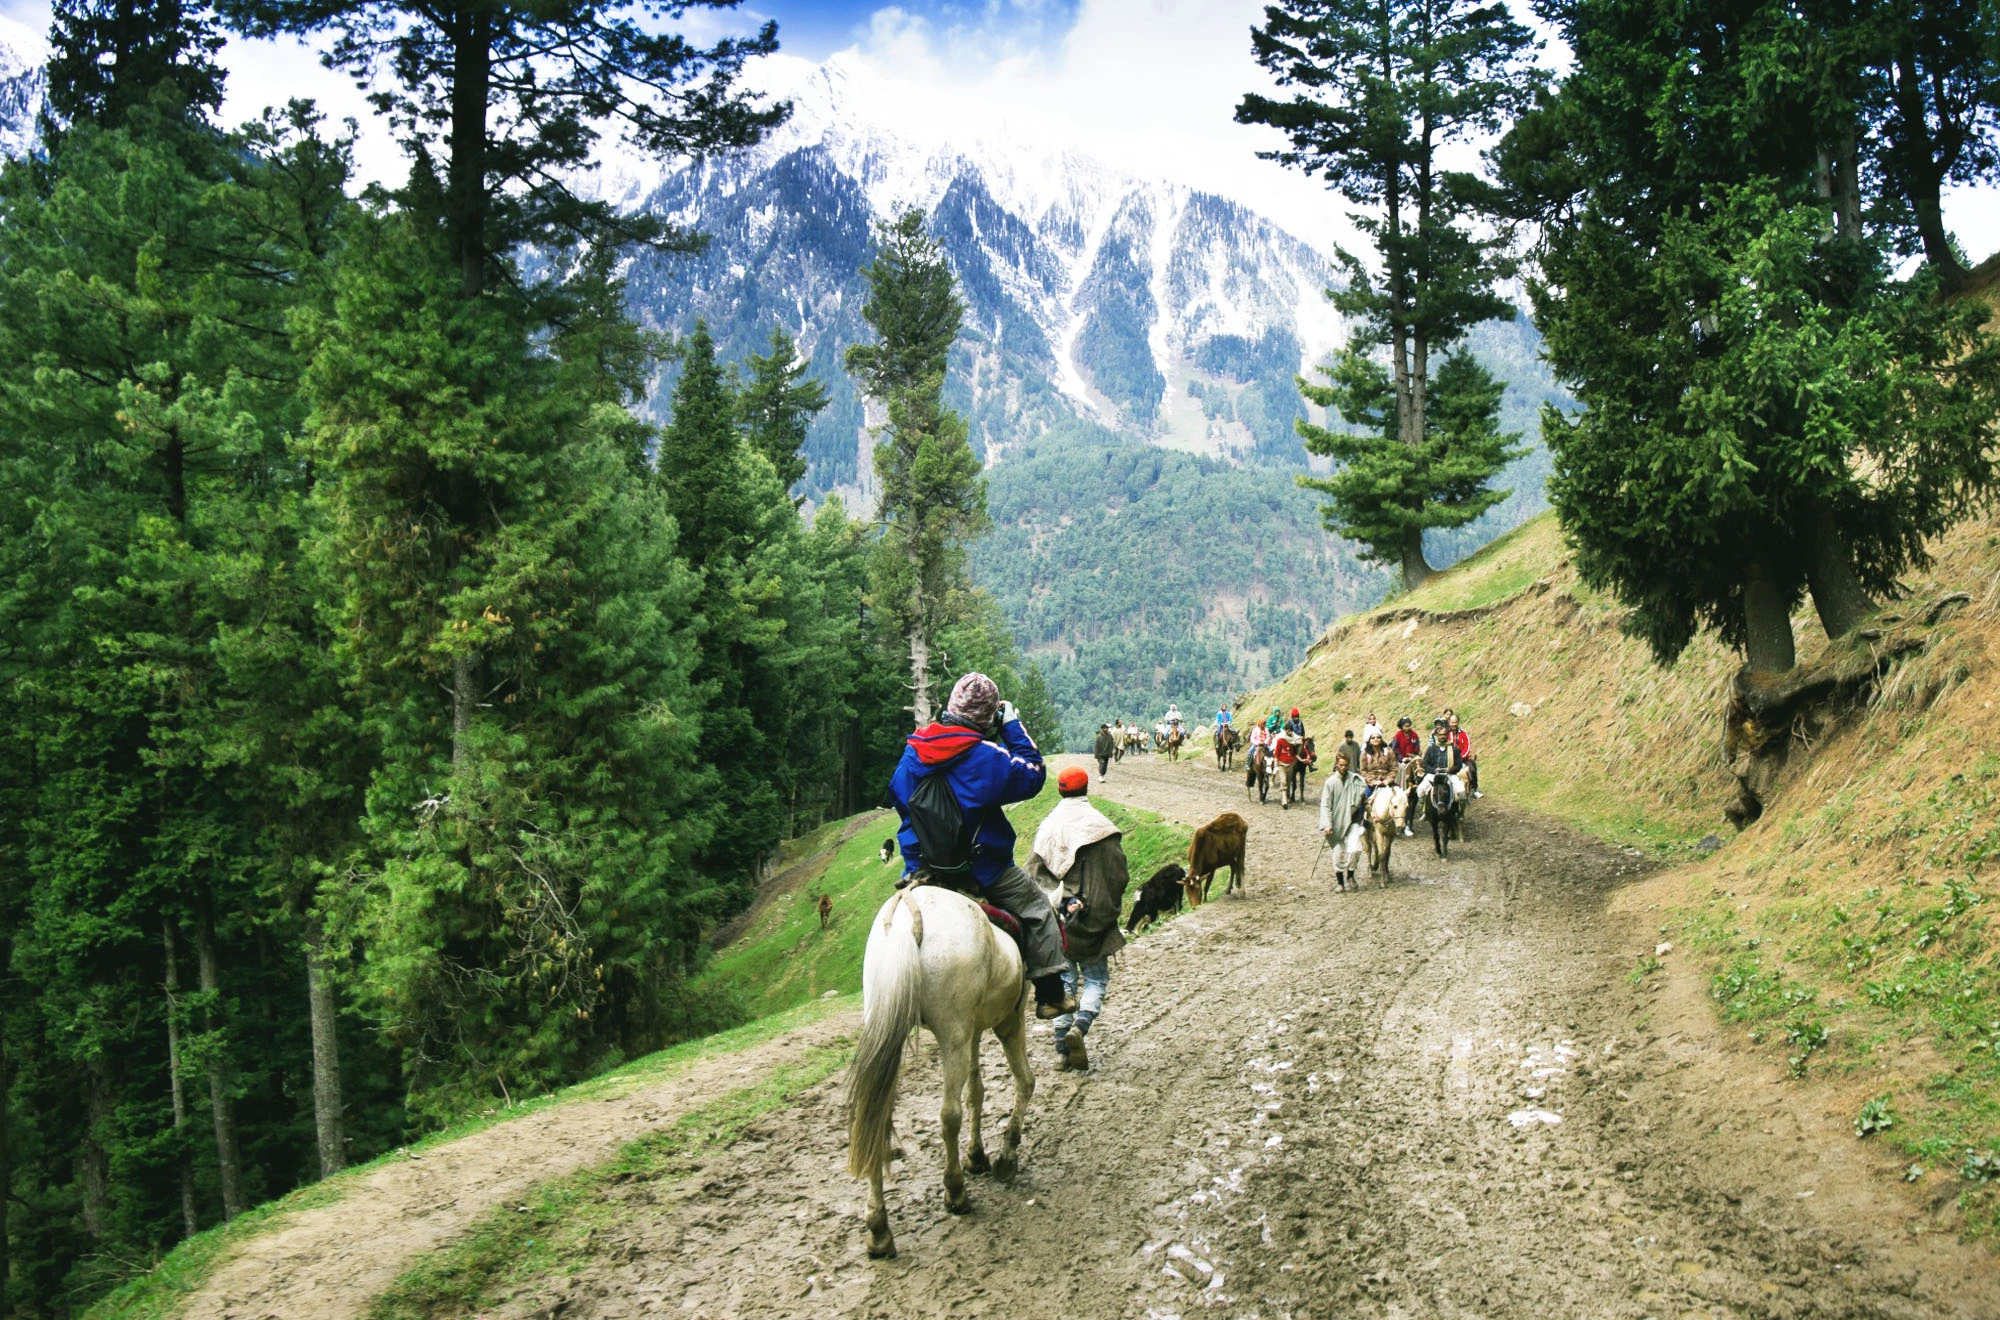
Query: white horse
[[933, 959], [1385, 817]]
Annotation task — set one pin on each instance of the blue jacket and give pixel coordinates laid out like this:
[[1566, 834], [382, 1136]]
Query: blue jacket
[[984, 777]]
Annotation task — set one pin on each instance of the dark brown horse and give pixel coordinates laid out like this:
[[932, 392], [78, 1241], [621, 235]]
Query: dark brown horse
[[1226, 743]]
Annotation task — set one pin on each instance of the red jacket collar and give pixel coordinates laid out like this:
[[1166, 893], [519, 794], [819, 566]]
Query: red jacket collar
[[935, 744]]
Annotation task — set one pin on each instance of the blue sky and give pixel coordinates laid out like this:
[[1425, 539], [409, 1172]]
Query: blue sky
[[816, 29]]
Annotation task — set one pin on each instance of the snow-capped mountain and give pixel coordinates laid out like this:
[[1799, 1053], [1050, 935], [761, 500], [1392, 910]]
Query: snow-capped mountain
[[23, 84], [1146, 307]]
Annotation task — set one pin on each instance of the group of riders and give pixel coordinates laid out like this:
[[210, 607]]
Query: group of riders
[[1383, 760], [1117, 737]]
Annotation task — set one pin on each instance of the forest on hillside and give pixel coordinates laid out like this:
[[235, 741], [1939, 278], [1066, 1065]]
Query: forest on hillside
[[393, 711]]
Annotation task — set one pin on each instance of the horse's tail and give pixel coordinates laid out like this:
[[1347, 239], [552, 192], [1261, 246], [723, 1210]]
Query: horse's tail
[[892, 983]]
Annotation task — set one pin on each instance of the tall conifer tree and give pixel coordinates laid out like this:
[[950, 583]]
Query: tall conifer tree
[[1383, 87], [1768, 413], [933, 499]]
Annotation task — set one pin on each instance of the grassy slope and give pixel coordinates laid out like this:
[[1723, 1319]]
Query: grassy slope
[[1847, 931]]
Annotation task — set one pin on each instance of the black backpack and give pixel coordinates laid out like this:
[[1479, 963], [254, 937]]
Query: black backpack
[[944, 830]]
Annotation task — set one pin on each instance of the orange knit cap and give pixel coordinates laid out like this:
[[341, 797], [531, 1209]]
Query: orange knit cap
[[1073, 780]]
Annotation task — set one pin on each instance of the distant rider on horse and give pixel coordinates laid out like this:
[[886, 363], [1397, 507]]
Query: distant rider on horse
[[1295, 726], [1441, 758], [1378, 765], [988, 760], [1461, 740], [1408, 747]]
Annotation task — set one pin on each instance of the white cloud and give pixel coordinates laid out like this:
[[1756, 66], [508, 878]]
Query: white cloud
[[1147, 86], [267, 73]]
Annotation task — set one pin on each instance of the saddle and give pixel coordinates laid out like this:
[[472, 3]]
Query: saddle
[[1008, 924], [1002, 918]]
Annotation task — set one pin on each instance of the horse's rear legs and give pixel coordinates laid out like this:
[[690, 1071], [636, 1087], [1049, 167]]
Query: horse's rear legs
[[1014, 1040], [975, 1158], [881, 1242], [957, 1058]]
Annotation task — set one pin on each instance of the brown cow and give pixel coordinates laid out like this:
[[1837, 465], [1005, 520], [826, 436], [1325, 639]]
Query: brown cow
[[1216, 845]]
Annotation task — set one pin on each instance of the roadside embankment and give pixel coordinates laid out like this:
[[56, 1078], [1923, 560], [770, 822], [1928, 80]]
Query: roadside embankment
[[1846, 933]]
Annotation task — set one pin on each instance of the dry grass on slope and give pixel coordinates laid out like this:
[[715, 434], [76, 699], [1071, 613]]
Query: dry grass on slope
[[1847, 931]]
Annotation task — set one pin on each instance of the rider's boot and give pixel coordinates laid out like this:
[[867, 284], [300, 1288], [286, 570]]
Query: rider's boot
[[1051, 1000]]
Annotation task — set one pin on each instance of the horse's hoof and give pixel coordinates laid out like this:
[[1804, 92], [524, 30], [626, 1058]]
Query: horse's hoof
[[1006, 1166], [977, 1162], [882, 1249], [960, 1204]]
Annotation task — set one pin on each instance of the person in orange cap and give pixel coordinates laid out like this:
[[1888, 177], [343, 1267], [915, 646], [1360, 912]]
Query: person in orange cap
[[1078, 853]]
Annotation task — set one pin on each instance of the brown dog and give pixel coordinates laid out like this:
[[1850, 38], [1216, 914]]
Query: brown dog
[[825, 911]]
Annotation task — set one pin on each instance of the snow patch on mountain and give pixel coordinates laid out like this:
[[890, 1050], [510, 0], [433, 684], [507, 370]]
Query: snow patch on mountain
[[23, 85]]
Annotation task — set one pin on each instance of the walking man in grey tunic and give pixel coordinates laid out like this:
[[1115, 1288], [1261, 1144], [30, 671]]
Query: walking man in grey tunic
[[1079, 853]]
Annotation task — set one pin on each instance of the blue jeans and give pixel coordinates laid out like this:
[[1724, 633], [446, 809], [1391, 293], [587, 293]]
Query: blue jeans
[[1096, 978]]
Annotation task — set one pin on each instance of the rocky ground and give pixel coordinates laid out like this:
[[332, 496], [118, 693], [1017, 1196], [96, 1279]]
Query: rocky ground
[[1443, 1096]]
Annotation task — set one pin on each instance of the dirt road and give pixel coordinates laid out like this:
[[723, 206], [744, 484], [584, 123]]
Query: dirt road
[[1439, 1098]]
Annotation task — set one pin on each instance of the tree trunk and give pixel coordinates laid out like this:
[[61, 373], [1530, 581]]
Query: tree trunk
[[1767, 624], [94, 1164], [461, 711], [1923, 183], [327, 1116], [1837, 594], [920, 676], [228, 1158], [847, 800], [1415, 567], [471, 85], [190, 1212]]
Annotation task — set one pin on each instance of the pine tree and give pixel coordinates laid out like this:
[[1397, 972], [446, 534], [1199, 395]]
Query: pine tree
[[528, 904], [1768, 412], [108, 56], [150, 270], [500, 105], [1384, 88], [777, 405], [1384, 491], [933, 499]]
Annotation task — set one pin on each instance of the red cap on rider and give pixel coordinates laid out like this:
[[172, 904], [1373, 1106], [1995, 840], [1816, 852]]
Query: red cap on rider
[[1295, 712], [1073, 780]]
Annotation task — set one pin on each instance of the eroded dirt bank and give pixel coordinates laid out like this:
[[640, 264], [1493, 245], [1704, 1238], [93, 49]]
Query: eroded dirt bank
[[1440, 1098]]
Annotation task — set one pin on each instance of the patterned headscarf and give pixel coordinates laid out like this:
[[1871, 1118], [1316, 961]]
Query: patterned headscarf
[[974, 698]]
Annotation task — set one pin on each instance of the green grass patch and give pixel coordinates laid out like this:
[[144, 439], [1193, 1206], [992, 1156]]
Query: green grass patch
[[783, 958], [554, 1227], [184, 1270], [1499, 570]]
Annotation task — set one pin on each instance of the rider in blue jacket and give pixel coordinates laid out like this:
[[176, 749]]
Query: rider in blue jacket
[[989, 760]]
